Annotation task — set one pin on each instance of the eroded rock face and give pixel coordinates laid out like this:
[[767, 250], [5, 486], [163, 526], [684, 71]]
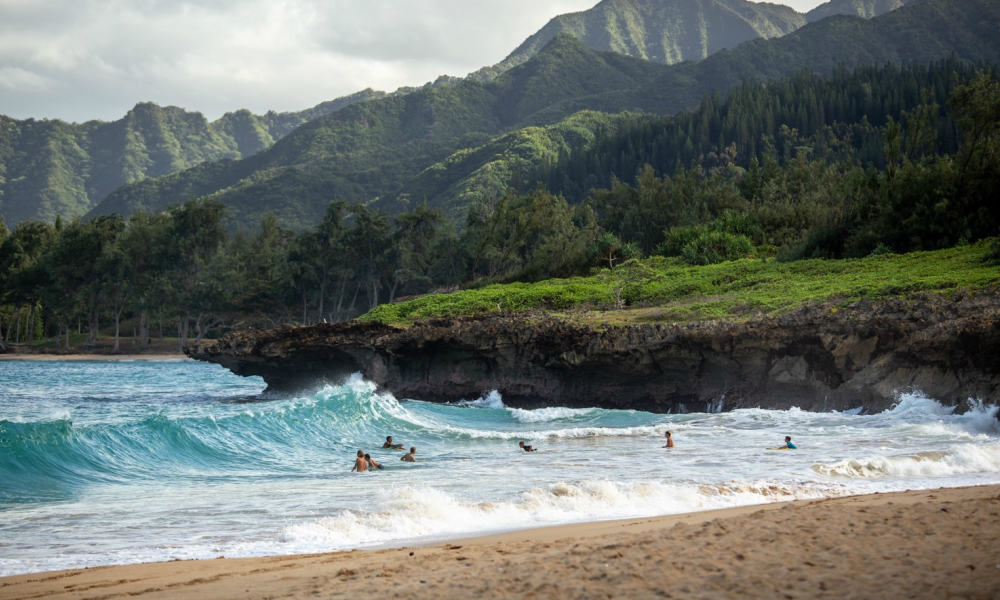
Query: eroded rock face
[[817, 358]]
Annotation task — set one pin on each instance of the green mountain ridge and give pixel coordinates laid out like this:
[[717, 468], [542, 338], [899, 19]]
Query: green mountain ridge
[[373, 148], [434, 145], [866, 9], [666, 31], [673, 31], [51, 167]]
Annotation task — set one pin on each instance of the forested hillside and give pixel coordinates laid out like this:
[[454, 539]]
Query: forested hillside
[[373, 148], [381, 150], [930, 182], [50, 167], [835, 118]]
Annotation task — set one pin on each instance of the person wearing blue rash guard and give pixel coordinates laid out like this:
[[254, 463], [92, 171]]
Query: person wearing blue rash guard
[[788, 444]]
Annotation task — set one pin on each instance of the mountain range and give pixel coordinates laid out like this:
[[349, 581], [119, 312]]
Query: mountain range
[[391, 148], [440, 145], [50, 167]]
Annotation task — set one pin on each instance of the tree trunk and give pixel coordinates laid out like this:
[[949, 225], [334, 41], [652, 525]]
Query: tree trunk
[[91, 328], [322, 297], [305, 308], [185, 324], [118, 319], [31, 322], [144, 330], [340, 298], [67, 331], [17, 339], [202, 328], [10, 324], [373, 301], [354, 300], [197, 329]]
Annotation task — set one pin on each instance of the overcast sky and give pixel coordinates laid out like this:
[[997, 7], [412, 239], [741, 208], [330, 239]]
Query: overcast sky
[[87, 59]]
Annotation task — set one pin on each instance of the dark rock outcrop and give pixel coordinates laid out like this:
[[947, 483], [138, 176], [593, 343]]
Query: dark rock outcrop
[[820, 357]]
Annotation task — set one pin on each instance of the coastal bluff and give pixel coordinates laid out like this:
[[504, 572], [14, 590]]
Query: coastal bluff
[[820, 357]]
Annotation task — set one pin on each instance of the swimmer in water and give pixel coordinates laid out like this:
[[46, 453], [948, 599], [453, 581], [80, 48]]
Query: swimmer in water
[[670, 440], [388, 444], [522, 446], [788, 444], [409, 457], [372, 463], [360, 465]]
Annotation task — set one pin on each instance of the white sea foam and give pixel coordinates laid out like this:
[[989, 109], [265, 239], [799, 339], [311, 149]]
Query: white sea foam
[[961, 459], [544, 415], [491, 400], [420, 513]]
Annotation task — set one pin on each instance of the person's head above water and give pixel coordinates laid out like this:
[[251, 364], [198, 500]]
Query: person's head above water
[[521, 444], [361, 453], [368, 456], [388, 438], [788, 438], [669, 433], [413, 450]]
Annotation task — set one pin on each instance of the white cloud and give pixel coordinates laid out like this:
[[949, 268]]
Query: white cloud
[[19, 80], [84, 59]]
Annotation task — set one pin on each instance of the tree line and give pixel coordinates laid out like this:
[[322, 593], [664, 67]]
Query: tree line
[[186, 272]]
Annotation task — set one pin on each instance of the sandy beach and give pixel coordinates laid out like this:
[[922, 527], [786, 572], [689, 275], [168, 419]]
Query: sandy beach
[[93, 357], [926, 544]]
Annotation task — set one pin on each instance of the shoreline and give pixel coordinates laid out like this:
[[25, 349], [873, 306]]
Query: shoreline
[[928, 543], [95, 357]]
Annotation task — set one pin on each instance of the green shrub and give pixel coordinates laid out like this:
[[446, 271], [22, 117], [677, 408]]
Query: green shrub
[[715, 247]]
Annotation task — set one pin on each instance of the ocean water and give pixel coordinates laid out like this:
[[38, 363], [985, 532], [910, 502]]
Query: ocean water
[[116, 463]]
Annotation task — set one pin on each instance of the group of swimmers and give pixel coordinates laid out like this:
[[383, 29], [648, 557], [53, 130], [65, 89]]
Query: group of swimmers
[[366, 463]]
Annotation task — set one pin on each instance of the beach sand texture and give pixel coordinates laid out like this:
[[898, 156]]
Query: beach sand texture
[[927, 544]]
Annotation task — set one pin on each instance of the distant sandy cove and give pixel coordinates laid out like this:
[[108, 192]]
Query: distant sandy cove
[[927, 544]]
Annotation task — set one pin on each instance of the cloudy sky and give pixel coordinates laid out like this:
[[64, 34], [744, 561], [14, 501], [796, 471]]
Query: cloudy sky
[[87, 59]]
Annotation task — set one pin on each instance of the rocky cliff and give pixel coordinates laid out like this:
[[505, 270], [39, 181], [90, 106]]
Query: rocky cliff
[[820, 358]]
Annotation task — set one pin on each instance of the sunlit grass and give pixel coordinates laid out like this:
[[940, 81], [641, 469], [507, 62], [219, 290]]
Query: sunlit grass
[[677, 292]]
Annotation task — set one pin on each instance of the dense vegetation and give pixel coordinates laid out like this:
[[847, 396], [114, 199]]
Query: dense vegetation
[[50, 168], [185, 268], [379, 150]]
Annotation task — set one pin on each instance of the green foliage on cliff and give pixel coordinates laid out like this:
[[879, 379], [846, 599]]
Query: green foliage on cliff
[[677, 292], [50, 167], [431, 145]]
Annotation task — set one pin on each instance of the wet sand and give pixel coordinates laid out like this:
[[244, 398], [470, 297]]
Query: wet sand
[[928, 544]]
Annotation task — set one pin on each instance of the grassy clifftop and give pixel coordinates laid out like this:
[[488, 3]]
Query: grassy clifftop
[[668, 291]]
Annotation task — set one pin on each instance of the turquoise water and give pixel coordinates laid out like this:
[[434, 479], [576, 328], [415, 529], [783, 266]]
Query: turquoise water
[[109, 463]]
